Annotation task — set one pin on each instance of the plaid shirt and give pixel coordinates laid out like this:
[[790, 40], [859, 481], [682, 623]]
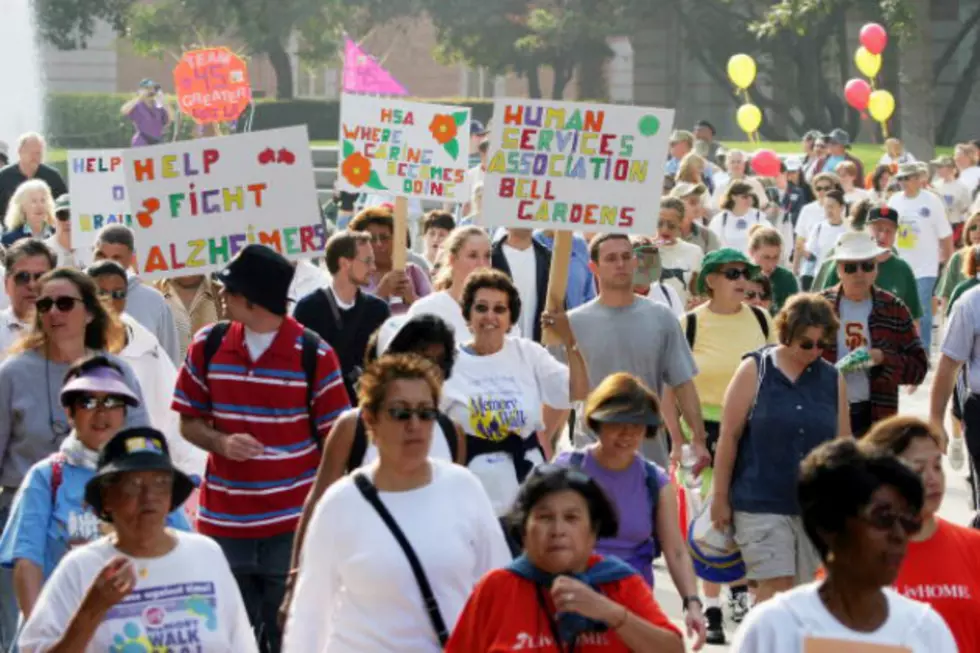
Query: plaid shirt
[[893, 332]]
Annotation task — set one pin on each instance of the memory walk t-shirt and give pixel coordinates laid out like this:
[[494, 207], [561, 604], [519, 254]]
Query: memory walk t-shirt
[[922, 223], [186, 601]]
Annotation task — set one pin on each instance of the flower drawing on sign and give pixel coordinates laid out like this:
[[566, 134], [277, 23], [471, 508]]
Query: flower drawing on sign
[[445, 131], [356, 169]]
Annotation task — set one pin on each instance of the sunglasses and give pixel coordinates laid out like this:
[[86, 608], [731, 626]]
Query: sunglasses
[[88, 402], [732, 274], [23, 278], [866, 266], [498, 309], [809, 345], [884, 519], [573, 475], [405, 414], [114, 294], [752, 294], [63, 216], [823, 189], [64, 304]]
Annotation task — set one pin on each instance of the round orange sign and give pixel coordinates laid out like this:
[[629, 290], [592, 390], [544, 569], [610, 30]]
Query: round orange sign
[[212, 85]]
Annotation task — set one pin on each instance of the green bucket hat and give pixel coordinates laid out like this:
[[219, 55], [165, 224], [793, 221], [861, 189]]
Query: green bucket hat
[[718, 258]]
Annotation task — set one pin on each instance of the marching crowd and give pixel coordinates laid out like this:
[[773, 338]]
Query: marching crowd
[[352, 455]]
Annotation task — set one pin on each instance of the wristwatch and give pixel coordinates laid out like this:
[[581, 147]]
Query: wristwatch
[[688, 600]]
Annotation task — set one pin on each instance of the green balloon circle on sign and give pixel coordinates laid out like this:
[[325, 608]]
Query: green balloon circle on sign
[[649, 125]]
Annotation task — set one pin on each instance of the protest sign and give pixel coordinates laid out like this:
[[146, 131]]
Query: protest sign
[[196, 204], [404, 149], [212, 85], [576, 166], [98, 197]]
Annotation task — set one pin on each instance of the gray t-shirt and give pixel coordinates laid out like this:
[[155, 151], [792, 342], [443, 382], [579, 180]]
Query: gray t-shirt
[[853, 334], [30, 390], [962, 339], [644, 339]]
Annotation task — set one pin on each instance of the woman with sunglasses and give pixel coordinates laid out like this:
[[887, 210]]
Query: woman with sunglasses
[[766, 251], [878, 348], [758, 292], [500, 385], [356, 589], [719, 332], [859, 509], [782, 403], [559, 595], [30, 213], [739, 211], [942, 564], [49, 516]]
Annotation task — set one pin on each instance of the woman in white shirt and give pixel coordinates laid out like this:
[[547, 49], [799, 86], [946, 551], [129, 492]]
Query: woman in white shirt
[[356, 591], [465, 249], [499, 385], [739, 211], [823, 236], [859, 509]]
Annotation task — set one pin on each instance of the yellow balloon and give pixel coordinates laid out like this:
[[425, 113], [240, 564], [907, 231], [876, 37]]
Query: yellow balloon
[[741, 70], [749, 117], [881, 105], [869, 64]]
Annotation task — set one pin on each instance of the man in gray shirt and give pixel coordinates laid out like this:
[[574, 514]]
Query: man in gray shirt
[[622, 332]]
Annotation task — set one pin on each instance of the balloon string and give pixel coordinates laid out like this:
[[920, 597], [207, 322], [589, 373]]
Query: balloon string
[[884, 128]]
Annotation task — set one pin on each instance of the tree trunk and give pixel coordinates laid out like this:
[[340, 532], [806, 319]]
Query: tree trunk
[[533, 82], [592, 82], [563, 75], [915, 103], [283, 67], [958, 101]]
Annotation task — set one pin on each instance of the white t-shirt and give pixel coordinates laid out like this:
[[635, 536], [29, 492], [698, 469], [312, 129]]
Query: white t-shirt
[[810, 216], [258, 343], [970, 177], [856, 195], [679, 262], [733, 230], [823, 238], [66, 257], [441, 304], [11, 329], [524, 273], [355, 592], [186, 600], [922, 224], [956, 197], [496, 395], [663, 294], [785, 623]]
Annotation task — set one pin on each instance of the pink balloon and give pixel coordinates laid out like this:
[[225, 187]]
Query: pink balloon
[[857, 92], [766, 163], [874, 38]]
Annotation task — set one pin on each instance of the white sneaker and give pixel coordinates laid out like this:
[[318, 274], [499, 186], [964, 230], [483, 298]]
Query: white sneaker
[[957, 454], [738, 606]]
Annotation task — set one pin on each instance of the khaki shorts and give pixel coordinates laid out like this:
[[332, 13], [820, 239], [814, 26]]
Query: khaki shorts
[[775, 546]]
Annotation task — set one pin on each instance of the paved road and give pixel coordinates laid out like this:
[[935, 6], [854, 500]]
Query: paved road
[[956, 508]]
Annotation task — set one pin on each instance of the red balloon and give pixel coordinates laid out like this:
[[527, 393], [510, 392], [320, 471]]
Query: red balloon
[[874, 38], [766, 163], [857, 92]]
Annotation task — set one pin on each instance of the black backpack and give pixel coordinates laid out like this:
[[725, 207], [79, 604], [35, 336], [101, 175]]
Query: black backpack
[[311, 343], [692, 325], [358, 447]]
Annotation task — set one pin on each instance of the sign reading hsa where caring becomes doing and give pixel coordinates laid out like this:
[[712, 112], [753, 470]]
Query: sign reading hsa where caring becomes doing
[[195, 204], [575, 166], [404, 149]]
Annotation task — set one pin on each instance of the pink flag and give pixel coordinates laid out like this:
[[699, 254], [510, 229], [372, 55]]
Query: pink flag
[[363, 74]]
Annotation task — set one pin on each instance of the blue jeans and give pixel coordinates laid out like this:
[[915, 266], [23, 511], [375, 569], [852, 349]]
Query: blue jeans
[[926, 286], [260, 567], [9, 612]]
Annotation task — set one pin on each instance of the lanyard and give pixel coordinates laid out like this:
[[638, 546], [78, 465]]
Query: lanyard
[[553, 625]]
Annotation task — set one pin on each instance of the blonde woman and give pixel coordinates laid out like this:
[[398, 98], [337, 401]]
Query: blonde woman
[[30, 213], [692, 170]]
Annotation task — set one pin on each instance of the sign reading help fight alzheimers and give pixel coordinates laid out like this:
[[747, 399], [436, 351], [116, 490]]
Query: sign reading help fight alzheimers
[[196, 204], [212, 85], [575, 166], [404, 149], [98, 198]]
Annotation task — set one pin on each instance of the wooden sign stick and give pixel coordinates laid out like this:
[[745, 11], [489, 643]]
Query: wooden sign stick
[[399, 243], [561, 258]]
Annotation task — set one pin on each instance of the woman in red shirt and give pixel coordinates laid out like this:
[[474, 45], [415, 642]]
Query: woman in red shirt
[[942, 566], [558, 596]]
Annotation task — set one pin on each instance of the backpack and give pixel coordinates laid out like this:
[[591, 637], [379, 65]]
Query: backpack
[[663, 291], [358, 447], [577, 460], [692, 324], [311, 345]]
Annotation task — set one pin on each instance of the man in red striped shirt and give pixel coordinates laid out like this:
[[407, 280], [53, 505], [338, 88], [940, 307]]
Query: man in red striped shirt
[[248, 407]]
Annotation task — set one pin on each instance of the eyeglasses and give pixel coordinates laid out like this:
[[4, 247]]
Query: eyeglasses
[[752, 294], [823, 189], [866, 266], [64, 304], [400, 414], [498, 309], [114, 294], [88, 402], [809, 345], [732, 274], [884, 519], [23, 277], [155, 485]]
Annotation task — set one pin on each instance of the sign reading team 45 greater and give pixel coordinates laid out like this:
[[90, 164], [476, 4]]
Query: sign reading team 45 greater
[[404, 149], [576, 166]]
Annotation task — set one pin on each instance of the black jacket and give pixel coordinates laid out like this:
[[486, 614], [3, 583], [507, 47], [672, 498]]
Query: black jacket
[[542, 259]]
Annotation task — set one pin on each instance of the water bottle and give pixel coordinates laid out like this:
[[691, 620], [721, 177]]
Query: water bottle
[[688, 462]]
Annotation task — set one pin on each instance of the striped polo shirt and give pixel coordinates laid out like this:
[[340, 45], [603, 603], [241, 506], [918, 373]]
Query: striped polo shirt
[[266, 398]]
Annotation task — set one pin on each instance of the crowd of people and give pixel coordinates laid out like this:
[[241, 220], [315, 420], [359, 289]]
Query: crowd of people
[[353, 455]]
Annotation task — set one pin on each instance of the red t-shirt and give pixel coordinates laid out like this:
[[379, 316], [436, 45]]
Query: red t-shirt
[[944, 571], [503, 614]]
